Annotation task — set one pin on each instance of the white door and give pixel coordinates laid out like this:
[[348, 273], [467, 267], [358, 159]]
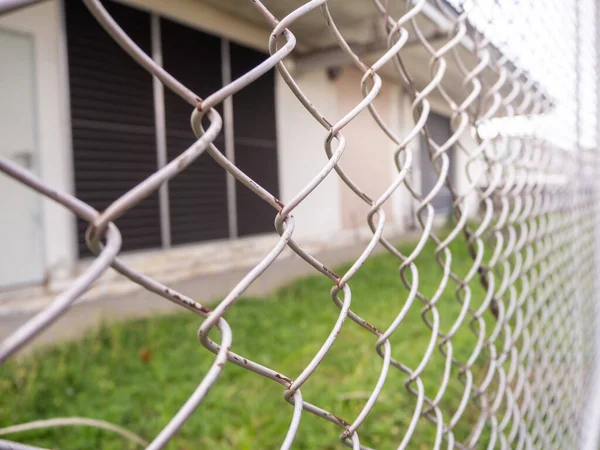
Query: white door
[[21, 256]]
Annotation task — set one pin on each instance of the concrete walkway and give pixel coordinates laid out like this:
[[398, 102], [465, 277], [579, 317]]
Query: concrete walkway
[[207, 289]]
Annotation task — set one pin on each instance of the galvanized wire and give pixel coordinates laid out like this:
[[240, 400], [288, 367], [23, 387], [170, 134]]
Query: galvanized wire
[[530, 231]]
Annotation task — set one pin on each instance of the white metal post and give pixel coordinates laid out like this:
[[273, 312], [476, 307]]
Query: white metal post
[[161, 134], [229, 139]]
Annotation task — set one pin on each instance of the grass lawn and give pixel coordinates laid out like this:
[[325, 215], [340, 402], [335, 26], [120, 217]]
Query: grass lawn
[[138, 373]]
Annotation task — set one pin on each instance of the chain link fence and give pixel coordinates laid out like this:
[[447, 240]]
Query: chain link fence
[[528, 103]]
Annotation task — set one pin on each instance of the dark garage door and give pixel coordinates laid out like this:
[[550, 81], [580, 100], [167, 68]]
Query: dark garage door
[[114, 130], [255, 141], [112, 114], [198, 195]]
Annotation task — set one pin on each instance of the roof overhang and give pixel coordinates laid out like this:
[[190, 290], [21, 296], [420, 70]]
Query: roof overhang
[[361, 25]]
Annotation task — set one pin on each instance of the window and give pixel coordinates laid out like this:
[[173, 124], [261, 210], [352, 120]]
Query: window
[[114, 129]]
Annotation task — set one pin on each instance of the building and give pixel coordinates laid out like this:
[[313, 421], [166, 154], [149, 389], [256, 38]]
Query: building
[[76, 110]]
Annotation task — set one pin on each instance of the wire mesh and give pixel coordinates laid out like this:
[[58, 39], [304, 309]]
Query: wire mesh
[[531, 233]]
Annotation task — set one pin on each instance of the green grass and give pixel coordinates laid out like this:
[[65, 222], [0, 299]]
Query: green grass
[[138, 373]]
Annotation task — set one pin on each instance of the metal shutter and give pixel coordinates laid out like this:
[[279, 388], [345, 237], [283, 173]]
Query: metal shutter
[[197, 196], [112, 116], [255, 141]]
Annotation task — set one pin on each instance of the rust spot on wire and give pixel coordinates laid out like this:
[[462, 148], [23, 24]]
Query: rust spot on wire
[[338, 418], [279, 203], [283, 378], [199, 104], [330, 272]]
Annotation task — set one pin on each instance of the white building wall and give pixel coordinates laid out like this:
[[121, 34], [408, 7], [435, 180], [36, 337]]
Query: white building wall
[[400, 200], [405, 202], [368, 158], [301, 153], [463, 185], [44, 23]]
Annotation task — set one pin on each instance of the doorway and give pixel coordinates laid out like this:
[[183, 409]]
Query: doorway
[[439, 131], [21, 254]]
